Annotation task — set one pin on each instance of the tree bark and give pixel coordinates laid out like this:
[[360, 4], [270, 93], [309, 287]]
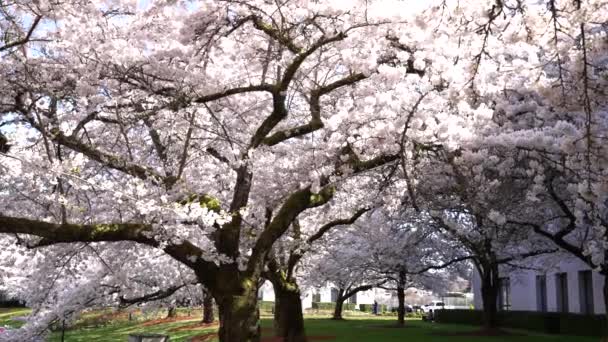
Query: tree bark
[[239, 320], [489, 296], [605, 338], [401, 298], [288, 316], [401, 309], [208, 316], [339, 304], [172, 311]]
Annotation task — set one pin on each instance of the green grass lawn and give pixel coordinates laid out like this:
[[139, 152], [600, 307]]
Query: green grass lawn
[[7, 315], [370, 329], [354, 329], [121, 330]]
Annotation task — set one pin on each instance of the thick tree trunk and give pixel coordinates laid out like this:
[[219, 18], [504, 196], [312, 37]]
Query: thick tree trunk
[[288, 316], [489, 296], [401, 309], [239, 319], [401, 298], [339, 304], [208, 316], [172, 312], [605, 338]]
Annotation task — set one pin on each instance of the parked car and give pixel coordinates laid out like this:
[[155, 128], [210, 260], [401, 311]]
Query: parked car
[[435, 305], [408, 308], [430, 309]]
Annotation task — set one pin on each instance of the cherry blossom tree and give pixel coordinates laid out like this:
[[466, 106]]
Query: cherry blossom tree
[[547, 105], [341, 269], [202, 130], [282, 272], [472, 207], [403, 250], [566, 153], [88, 277], [516, 143]]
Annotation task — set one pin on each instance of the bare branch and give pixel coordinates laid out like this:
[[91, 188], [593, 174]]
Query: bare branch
[[25, 39]]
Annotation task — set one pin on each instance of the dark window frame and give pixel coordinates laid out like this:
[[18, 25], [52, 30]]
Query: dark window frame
[[504, 294], [561, 292], [316, 296], [585, 286], [334, 295], [541, 293]]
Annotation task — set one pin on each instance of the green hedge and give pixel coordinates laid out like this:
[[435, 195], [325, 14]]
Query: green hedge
[[7, 301], [266, 306], [545, 322], [370, 307], [413, 314], [332, 306]]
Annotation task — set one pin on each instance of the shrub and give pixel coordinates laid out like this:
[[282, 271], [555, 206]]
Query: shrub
[[583, 325], [473, 317], [413, 314], [545, 322], [369, 307], [266, 306], [7, 301], [332, 306]]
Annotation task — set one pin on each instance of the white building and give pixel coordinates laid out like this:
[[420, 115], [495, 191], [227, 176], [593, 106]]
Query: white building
[[328, 294], [570, 286]]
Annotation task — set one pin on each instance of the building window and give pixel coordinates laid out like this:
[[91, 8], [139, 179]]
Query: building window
[[316, 297], [585, 288], [541, 293], [353, 299], [561, 290], [334, 294], [504, 296]]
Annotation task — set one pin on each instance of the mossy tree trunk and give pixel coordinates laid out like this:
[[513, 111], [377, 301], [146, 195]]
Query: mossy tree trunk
[[171, 311], [288, 315], [239, 320], [605, 274], [208, 316]]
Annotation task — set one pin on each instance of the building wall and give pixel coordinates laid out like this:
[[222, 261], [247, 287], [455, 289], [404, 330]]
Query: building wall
[[367, 297], [266, 293], [598, 293], [551, 293], [476, 284], [307, 300], [524, 293]]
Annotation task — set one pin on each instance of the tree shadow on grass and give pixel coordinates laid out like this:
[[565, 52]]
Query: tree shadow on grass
[[478, 333]]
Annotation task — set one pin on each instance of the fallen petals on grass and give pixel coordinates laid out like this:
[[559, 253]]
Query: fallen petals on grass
[[196, 326], [166, 320], [308, 338], [203, 337]]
